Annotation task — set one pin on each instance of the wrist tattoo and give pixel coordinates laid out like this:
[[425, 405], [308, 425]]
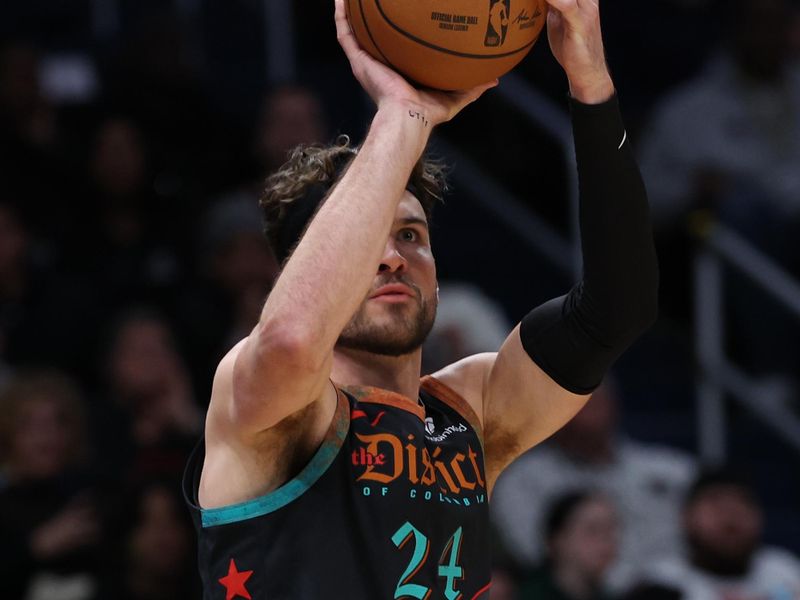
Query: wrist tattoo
[[418, 116]]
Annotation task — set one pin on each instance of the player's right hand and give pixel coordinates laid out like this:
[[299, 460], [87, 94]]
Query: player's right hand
[[387, 88]]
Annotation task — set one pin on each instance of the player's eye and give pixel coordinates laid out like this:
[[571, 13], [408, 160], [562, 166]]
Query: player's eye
[[408, 235]]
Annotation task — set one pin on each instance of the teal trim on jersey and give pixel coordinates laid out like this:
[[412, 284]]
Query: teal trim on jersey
[[291, 490]]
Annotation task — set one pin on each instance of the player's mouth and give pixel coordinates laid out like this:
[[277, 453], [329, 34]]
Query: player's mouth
[[394, 292]]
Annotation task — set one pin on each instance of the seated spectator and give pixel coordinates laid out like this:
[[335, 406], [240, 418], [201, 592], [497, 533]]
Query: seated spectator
[[36, 158], [155, 557], [236, 274], [128, 238], [726, 558], [152, 77], [50, 518], [581, 535], [236, 268], [147, 421], [735, 123], [729, 141], [25, 113], [291, 115], [44, 318], [645, 482], [467, 322]]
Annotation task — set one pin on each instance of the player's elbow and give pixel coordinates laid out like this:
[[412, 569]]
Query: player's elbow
[[271, 375], [289, 347]]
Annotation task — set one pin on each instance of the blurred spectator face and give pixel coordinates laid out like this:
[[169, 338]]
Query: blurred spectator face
[[291, 116], [723, 523], [160, 543], [158, 47], [589, 436], [42, 426], [13, 244], [239, 258], [599, 417], [41, 440], [588, 540], [244, 263], [19, 80], [143, 358], [118, 159], [762, 37]]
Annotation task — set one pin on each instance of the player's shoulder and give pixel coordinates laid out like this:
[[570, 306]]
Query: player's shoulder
[[228, 361], [467, 378], [222, 387], [467, 369]]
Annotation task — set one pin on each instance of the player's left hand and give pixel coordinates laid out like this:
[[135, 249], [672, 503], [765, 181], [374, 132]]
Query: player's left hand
[[573, 28]]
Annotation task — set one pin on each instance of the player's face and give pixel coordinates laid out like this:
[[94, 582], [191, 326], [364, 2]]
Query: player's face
[[398, 312]]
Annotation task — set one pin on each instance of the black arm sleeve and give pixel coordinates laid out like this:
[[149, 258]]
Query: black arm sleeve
[[576, 338]]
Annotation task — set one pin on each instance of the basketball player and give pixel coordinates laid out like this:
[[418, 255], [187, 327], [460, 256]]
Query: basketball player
[[328, 469]]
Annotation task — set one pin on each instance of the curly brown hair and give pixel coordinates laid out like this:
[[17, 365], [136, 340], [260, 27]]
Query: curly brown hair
[[311, 166]]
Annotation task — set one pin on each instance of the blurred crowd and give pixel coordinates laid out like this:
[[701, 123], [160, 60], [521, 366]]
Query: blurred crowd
[[132, 258]]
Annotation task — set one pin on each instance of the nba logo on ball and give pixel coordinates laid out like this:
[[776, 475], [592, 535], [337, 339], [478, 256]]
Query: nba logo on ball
[[497, 27], [448, 44]]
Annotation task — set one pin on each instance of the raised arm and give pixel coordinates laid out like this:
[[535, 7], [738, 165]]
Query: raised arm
[[550, 364], [284, 365]]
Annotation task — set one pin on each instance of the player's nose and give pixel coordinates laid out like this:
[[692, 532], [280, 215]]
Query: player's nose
[[392, 261]]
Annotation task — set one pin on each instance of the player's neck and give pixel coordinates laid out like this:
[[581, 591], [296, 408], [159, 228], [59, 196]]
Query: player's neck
[[397, 374]]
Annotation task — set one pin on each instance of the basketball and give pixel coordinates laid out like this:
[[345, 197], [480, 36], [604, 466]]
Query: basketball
[[448, 44]]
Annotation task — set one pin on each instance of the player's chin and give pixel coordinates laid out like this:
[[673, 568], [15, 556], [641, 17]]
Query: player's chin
[[394, 310]]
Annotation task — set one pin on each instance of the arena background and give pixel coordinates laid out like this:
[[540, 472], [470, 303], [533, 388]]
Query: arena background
[[133, 137]]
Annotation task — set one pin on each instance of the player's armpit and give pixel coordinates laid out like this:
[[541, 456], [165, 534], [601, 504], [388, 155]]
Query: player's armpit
[[519, 405], [244, 458], [522, 406]]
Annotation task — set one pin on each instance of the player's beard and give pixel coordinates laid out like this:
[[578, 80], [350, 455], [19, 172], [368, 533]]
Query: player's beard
[[402, 334]]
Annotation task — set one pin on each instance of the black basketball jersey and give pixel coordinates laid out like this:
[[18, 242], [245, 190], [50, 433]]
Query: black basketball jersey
[[392, 505]]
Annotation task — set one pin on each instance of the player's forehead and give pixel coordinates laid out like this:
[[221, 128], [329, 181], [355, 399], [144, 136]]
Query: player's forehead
[[410, 210]]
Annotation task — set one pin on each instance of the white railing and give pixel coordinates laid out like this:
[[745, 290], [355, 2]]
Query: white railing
[[718, 376]]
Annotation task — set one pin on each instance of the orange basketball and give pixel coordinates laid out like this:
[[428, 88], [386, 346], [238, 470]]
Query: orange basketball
[[448, 44]]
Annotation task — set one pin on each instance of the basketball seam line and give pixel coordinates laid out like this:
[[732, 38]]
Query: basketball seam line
[[369, 33]]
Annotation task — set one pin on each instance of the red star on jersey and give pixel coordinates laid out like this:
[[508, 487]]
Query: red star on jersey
[[234, 582]]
